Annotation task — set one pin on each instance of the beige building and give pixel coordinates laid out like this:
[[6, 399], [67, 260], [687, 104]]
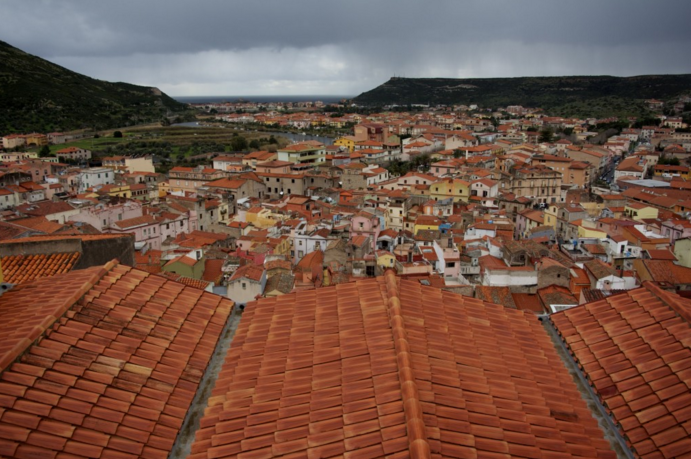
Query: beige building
[[539, 183]]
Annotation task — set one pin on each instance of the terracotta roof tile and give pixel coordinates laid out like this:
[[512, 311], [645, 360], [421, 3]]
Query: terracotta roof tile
[[102, 362], [24, 268], [388, 366], [633, 348]]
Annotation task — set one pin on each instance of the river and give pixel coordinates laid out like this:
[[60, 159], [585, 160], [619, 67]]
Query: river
[[293, 137]]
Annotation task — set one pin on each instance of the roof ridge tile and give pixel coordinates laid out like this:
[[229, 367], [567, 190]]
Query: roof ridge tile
[[418, 445], [675, 302]]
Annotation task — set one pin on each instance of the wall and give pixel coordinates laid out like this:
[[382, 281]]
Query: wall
[[94, 252]]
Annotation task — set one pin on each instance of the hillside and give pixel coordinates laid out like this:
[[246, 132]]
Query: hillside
[[598, 96], [37, 95]]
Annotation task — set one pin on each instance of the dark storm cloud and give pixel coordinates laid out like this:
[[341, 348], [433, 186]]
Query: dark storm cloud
[[255, 47]]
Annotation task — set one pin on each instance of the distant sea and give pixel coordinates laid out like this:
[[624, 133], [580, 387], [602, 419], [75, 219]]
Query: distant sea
[[258, 99]]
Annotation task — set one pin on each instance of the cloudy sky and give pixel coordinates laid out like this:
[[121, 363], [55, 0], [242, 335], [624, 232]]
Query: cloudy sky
[[325, 47]]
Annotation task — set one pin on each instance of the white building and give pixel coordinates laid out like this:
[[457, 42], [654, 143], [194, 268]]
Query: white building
[[95, 176]]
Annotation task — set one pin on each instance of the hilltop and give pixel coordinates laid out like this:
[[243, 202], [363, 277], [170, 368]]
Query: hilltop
[[37, 95], [598, 96]]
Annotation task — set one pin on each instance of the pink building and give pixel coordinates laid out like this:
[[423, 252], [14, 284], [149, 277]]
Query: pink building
[[366, 224]]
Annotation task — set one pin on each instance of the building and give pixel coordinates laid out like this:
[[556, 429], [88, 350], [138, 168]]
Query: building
[[74, 154], [247, 284], [184, 179], [539, 183], [372, 131], [93, 177], [302, 153]]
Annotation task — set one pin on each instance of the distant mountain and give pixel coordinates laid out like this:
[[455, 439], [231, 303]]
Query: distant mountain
[[37, 95], [598, 96]]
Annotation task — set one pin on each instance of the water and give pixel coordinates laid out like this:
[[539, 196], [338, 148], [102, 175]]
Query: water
[[259, 99]]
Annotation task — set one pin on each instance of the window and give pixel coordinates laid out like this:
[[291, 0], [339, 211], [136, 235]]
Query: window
[[244, 286], [104, 222], [181, 224]]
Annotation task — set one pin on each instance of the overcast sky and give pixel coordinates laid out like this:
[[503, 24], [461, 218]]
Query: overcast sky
[[328, 47]]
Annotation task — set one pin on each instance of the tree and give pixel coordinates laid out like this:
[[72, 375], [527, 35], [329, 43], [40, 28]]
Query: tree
[[546, 135], [273, 140], [44, 152], [255, 144], [117, 135], [238, 143]]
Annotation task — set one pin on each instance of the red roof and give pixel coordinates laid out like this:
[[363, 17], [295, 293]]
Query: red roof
[[102, 362], [387, 367], [634, 350], [24, 268]]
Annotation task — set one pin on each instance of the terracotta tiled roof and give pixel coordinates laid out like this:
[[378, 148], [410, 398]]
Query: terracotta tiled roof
[[41, 224], [634, 350], [498, 295], [189, 281], [24, 268], [212, 270], [282, 282], [184, 259], [119, 361], [387, 367], [665, 271], [249, 271]]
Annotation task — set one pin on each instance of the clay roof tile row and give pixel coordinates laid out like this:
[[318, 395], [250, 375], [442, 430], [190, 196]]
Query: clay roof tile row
[[102, 362], [24, 268], [633, 348], [388, 367]]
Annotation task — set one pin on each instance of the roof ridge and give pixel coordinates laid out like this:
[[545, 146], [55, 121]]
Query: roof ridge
[[37, 331], [418, 445], [674, 301]]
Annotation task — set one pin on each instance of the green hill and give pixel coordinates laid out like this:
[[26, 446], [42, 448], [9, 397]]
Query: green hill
[[37, 95], [598, 96]]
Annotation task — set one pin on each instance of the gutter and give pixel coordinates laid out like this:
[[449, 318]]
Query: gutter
[[187, 433]]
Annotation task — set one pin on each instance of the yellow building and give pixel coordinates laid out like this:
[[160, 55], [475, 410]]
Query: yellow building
[[551, 216], [457, 189], [594, 209], [163, 189], [347, 142], [588, 229], [119, 191], [426, 222], [262, 217], [385, 259], [639, 211], [282, 245], [36, 139]]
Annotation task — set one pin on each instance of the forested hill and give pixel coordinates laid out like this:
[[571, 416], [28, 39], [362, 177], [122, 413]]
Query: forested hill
[[598, 96], [37, 95]]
